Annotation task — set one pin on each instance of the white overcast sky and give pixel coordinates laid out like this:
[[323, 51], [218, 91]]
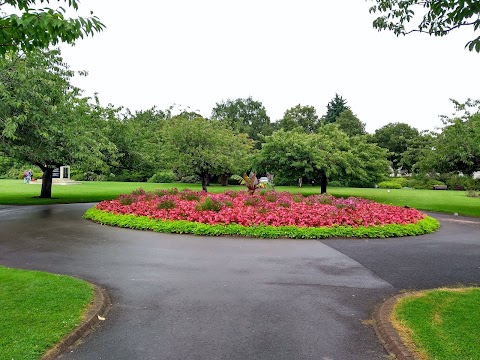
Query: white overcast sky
[[282, 53]]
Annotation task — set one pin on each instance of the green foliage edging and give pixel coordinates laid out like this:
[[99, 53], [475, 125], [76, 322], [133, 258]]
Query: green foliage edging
[[425, 226]]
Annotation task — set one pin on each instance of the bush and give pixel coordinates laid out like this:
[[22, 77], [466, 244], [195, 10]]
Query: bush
[[400, 180], [166, 204], [335, 183], [389, 185], [193, 179], [462, 183], [425, 184], [165, 176], [473, 193], [208, 204]]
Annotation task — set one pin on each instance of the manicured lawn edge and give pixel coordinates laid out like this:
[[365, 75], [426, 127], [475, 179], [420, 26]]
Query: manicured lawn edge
[[38, 309], [424, 226], [439, 323]]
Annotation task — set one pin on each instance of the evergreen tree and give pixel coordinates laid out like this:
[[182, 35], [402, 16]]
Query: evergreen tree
[[334, 108]]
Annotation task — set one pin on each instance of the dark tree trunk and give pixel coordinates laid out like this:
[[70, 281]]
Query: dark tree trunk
[[46, 191], [323, 184], [207, 180], [204, 182], [224, 180]]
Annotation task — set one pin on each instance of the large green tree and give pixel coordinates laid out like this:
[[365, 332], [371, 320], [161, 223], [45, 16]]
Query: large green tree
[[303, 117], [395, 137], [455, 149], [204, 148], [350, 124], [334, 108], [328, 154], [43, 118], [247, 116], [437, 17], [417, 148], [136, 136], [29, 28]]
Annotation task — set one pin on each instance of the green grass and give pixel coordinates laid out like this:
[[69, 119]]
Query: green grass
[[15, 192], [37, 310], [442, 323]]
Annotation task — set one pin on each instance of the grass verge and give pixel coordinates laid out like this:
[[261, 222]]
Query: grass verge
[[440, 324], [37, 310], [424, 226], [446, 201]]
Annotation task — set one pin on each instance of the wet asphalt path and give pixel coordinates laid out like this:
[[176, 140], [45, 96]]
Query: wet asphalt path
[[185, 297]]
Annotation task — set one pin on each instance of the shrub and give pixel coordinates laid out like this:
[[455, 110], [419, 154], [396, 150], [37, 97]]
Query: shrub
[[389, 185], [463, 183], [189, 195], [166, 204], [400, 180], [335, 183], [193, 179], [208, 204], [473, 193], [165, 176], [271, 196], [425, 184], [252, 201], [126, 199]]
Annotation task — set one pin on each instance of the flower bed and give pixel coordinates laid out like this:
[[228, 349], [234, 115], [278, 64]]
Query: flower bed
[[270, 213]]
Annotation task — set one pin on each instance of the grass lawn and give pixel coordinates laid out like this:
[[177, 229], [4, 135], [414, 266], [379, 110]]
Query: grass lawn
[[37, 310], [441, 324], [16, 192]]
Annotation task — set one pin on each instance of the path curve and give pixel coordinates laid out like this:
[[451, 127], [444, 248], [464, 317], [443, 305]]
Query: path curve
[[186, 297]]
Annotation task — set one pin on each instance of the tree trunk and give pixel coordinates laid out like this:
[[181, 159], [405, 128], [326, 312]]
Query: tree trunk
[[224, 180], [323, 184], [46, 191], [204, 182]]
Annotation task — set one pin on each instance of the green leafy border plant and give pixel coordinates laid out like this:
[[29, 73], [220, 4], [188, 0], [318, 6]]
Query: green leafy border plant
[[425, 226]]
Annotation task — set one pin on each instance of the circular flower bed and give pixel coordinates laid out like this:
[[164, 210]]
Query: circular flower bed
[[266, 214]]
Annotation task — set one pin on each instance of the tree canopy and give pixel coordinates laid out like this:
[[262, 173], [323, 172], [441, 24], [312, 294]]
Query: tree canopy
[[350, 124], [330, 153], [334, 108], [247, 116], [203, 148], [395, 137], [44, 120], [455, 149], [438, 17], [39, 28], [304, 117]]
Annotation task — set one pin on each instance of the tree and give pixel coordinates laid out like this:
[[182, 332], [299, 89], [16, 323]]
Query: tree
[[350, 124], [244, 115], [136, 136], [334, 108], [328, 154], [304, 117], [204, 148], [44, 120], [39, 28], [417, 149], [455, 149], [440, 17], [395, 138]]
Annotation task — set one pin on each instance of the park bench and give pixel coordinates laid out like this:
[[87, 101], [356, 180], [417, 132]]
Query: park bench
[[440, 187]]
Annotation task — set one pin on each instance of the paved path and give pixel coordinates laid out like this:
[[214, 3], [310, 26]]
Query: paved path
[[185, 297]]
